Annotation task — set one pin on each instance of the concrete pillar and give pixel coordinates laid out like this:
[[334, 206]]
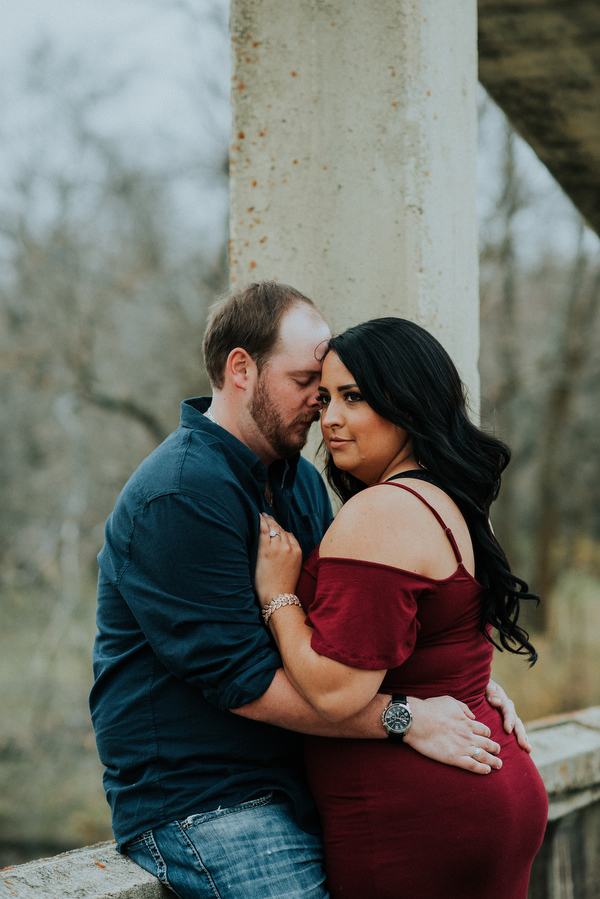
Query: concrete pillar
[[353, 160]]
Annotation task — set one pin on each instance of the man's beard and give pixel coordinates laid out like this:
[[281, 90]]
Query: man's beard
[[272, 426]]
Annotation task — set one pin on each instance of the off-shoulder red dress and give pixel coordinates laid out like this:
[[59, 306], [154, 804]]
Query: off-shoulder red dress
[[397, 824]]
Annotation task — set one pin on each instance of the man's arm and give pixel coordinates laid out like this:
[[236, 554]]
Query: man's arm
[[443, 728], [189, 586]]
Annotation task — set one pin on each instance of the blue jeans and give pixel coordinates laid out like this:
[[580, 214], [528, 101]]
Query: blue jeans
[[250, 851]]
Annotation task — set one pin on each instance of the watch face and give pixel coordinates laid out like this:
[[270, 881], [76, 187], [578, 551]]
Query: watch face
[[397, 719]]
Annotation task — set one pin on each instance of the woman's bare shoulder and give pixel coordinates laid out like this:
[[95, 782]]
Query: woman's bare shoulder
[[394, 527], [368, 522]]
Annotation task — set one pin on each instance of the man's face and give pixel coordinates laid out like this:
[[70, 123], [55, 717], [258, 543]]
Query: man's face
[[285, 401]]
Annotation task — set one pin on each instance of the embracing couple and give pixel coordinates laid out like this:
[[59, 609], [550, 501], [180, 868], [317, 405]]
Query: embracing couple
[[234, 617]]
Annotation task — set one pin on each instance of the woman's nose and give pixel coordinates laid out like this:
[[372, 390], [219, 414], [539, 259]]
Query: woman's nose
[[330, 415]]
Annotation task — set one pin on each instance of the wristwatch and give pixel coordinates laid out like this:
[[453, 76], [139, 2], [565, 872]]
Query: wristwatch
[[397, 717]]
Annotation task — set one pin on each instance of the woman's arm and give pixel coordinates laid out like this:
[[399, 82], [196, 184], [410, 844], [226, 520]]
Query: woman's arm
[[371, 527], [338, 691], [443, 729], [335, 690]]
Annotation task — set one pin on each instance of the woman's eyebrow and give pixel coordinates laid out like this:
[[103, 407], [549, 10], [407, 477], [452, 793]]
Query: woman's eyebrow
[[342, 387]]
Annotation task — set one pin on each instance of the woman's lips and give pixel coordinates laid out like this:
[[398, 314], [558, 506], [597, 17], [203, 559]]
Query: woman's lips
[[337, 442]]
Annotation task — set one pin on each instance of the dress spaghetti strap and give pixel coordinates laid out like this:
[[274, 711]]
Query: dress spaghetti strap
[[436, 514]]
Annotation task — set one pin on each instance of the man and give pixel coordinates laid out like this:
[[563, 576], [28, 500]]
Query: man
[[195, 720]]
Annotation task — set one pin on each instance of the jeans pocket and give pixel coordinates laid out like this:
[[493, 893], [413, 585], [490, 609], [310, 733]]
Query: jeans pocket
[[204, 817], [144, 851]]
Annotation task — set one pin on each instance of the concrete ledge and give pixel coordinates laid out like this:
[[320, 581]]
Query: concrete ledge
[[566, 750], [96, 872]]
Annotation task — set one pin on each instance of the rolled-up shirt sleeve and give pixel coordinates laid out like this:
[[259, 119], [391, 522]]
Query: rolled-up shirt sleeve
[[187, 580]]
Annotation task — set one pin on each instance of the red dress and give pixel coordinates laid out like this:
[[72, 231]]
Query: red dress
[[398, 825]]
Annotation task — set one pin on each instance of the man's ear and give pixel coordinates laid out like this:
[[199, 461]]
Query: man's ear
[[241, 368]]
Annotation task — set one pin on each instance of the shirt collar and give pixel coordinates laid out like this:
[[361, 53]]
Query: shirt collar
[[282, 472]]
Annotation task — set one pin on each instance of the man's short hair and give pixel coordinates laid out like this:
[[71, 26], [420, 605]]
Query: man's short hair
[[250, 318]]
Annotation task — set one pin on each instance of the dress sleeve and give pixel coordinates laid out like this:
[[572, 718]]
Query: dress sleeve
[[363, 614]]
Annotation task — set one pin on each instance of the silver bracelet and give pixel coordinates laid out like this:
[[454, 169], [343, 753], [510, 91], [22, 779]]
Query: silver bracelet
[[282, 599]]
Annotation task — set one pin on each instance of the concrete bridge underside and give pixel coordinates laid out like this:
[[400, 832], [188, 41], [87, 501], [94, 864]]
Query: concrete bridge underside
[[540, 61]]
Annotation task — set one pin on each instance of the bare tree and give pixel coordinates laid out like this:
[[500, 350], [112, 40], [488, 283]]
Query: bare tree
[[499, 301], [575, 345], [540, 385], [98, 303]]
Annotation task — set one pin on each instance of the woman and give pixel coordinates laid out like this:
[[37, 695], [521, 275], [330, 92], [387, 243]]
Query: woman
[[401, 597]]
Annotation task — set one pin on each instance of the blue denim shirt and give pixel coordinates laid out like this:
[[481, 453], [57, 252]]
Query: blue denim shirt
[[180, 639]]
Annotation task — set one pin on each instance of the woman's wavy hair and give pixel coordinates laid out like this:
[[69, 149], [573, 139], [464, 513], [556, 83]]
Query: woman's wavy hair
[[408, 378]]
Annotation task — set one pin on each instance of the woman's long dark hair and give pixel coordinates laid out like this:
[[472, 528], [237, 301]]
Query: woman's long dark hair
[[408, 378]]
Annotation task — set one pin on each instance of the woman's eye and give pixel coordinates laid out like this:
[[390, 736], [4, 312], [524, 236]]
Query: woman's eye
[[324, 399], [353, 397]]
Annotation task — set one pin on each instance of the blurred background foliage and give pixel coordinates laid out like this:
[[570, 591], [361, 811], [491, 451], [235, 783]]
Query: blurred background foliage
[[540, 386], [112, 244]]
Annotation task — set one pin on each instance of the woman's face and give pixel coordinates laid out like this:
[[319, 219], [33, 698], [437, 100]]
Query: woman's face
[[361, 441]]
